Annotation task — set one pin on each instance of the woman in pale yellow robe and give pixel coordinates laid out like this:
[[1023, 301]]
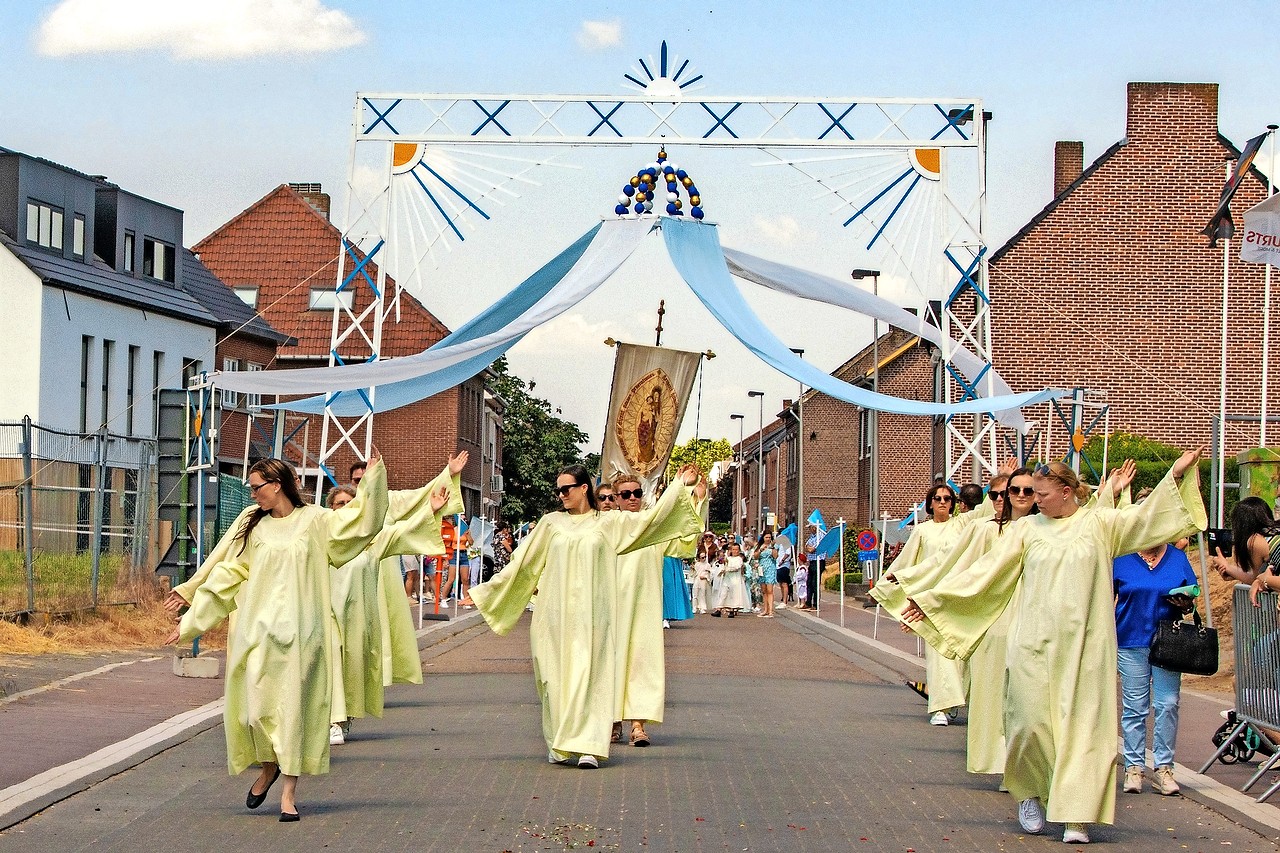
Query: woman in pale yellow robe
[[569, 559], [274, 571], [412, 526], [933, 536], [1060, 712]]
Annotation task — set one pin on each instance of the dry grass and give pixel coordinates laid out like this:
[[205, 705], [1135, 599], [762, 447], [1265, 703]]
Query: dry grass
[[143, 625]]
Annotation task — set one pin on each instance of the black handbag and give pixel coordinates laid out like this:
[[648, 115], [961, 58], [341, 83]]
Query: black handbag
[[1185, 647]]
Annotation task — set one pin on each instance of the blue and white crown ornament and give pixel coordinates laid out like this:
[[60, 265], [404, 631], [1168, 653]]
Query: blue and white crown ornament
[[637, 193]]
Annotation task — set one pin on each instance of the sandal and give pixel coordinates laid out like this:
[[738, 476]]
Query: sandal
[[617, 733], [638, 736]]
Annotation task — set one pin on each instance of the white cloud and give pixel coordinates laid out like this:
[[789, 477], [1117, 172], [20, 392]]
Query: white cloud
[[598, 35], [196, 29], [779, 229]]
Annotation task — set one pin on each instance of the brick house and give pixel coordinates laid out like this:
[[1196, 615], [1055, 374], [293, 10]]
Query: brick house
[[280, 255], [1111, 287]]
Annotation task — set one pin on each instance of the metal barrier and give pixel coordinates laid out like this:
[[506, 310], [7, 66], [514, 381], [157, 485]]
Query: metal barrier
[[75, 515], [1257, 655]]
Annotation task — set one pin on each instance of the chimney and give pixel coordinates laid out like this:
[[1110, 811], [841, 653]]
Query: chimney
[[1189, 110], [314, 196], [1068, 164]]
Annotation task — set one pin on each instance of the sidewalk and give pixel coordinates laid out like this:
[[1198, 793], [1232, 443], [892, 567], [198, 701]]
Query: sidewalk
[[780, 735]]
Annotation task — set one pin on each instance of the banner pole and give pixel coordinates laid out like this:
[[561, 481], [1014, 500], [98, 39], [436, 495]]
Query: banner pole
[[1222, 372], [1266, 299]]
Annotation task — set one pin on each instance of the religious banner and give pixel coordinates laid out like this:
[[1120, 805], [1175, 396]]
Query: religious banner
[[651, 387]]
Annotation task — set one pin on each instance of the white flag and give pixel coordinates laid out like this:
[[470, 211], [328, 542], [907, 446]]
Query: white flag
[[1261, 239]]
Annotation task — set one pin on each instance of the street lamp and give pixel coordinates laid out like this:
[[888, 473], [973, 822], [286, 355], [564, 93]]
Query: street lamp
[[799, 459], [759, 465], [737, 513], [873, 421]]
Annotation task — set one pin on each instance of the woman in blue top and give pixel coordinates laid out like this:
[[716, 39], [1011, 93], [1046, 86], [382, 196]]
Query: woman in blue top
[[1142, 583]]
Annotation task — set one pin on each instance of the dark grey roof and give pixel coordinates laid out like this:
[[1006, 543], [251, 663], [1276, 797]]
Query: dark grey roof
[[221, 301], [99, 280]]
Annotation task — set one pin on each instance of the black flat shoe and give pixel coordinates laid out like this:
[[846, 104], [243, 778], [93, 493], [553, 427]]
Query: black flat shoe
[[255, 800], [290, 817]]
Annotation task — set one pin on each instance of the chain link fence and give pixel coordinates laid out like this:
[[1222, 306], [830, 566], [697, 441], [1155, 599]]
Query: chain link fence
[[76, 518]]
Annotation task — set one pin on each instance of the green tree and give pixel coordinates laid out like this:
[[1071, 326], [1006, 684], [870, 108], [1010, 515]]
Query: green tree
[[536, 444], [703, 452], [720, 510]]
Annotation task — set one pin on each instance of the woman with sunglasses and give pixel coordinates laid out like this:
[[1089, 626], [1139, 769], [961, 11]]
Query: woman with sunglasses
[[272, 569], [936, 535], [1060, 718], [570, 559]]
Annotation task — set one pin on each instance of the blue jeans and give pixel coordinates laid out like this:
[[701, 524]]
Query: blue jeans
[[1142, 688]]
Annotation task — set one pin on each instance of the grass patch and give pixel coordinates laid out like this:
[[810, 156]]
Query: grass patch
[[62, 581]]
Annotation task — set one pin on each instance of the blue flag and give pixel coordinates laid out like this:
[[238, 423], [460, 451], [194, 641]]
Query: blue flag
[[815, 518], [829, 545], [789, 533]]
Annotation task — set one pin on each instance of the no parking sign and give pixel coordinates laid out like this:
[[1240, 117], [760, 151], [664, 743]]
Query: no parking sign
[[868, 546]]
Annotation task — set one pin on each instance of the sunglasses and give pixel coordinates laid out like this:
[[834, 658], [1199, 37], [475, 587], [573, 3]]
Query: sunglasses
[[944, 498], [608, 497], [1021, 491], [253, 490], [564, 490], [997, 494], [628, 494], [1043, 471]]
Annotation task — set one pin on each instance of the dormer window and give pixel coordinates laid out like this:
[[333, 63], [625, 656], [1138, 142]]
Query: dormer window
[[44, 225], [248, 295], [158, 259], [326, 299]]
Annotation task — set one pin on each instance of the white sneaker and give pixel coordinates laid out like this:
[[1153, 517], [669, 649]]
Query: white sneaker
[[588, 762], [939, 718], [1133, 779], [554, 757], [335, 735], [780, 607], [1031, 816], [1076, 833], [1164, 783]]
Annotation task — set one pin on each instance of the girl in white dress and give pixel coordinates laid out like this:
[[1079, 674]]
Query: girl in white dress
[[729, 593]]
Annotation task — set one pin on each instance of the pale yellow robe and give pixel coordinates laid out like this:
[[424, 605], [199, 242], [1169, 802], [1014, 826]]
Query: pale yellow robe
[[411, 527], [1060, 711], [641, 672], [278, 690], [946, 678], [571, 561]]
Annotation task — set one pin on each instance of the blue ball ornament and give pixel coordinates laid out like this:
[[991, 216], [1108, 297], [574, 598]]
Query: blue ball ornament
[[693, 190], [620, 209], [671, 209], [639, 208], [667, 170], [629, 190], [695, 212], [681, 174], [673, 187]]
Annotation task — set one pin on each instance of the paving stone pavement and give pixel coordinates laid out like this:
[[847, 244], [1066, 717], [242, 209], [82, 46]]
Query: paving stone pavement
[[772, 742]]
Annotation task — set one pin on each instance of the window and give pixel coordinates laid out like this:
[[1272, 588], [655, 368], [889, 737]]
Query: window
[[128, 251], [191, 368], [44, 225], [86, 344], [132, 389], [77, 236], [230, 399], [324, 299], [108, 351], [157, 374], [248, 295], [158, 259], [252, 401], [864, 433]]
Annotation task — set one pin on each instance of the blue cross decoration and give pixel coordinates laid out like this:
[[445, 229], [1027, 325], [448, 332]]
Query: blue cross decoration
[[491, 117], [965, 114], [720, 120], [836, 121], [382, 116], [359, 268], [966, 276], [605, 118]]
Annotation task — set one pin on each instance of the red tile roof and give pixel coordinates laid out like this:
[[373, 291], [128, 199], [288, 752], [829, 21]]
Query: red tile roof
[[281, 245]]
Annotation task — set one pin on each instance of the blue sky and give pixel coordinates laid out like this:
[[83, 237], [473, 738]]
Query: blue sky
[[211, 133]]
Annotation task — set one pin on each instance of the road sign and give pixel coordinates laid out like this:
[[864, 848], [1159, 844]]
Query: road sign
[[867, 540]]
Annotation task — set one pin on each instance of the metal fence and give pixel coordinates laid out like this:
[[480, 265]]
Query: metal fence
[[76, 516], [1256, 632]]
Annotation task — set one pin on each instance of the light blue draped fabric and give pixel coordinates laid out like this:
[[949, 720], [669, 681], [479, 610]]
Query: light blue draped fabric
[[462, 354], [695, 250]]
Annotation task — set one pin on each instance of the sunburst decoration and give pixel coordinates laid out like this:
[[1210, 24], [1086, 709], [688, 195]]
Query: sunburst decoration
[[665, 84]]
